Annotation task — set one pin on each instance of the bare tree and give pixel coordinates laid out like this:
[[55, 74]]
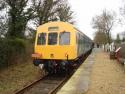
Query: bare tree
[[52, 10], [65, 14], [122, 9], [45, 9], [104, 23], [20, 12], [122, 19], [100, 37]]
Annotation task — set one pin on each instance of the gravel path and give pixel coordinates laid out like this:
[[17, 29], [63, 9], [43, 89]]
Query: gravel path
[[107, 77]]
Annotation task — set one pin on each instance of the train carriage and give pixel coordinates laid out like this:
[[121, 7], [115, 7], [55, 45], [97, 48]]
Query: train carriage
[[58, 44]]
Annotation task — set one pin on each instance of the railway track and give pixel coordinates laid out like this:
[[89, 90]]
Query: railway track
[[49, 84]]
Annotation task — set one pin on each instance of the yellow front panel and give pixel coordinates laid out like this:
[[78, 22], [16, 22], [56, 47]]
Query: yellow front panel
[[57, 51]]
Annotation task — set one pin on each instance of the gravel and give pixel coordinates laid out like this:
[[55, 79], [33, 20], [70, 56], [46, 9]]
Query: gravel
[[107, 77]]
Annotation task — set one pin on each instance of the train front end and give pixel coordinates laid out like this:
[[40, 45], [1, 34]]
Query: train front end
[[54, 46]]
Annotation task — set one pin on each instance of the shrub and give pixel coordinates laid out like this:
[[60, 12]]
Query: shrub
[[11, 50]]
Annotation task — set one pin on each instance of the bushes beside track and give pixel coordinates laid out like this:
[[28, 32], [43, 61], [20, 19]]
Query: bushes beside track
[[12, 51]]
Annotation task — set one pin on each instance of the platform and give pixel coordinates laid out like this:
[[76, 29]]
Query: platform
[[79, 82], [99, 73]]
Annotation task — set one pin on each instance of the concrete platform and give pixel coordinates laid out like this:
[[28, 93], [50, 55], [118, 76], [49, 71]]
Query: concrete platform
[[79, 82]]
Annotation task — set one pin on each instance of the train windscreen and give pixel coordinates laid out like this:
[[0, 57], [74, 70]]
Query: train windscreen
[[64, 38], [41, 39], [52, 38]]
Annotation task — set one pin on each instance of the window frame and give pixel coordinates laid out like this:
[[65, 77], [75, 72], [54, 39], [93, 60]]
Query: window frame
[[56, 38], [69, 42], [45, 35]]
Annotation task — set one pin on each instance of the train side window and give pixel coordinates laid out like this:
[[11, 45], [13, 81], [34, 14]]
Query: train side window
[[64, 38], [41, 39], [52, 38]]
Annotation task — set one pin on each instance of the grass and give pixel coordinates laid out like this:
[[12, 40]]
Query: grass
[[17, 76]]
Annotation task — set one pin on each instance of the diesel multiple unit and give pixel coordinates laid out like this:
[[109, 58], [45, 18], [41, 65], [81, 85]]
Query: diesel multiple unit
[[58, 45]]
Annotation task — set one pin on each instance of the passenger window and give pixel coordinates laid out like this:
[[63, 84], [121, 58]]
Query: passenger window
[[64, 38], [41, 39], [52, 39]]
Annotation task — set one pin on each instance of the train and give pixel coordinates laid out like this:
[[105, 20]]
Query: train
[[58, 45]]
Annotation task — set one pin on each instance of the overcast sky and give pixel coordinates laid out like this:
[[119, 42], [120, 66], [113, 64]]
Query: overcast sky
[[84, 10]]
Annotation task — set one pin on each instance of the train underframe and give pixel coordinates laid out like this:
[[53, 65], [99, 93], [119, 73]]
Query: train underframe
[[60, 66]]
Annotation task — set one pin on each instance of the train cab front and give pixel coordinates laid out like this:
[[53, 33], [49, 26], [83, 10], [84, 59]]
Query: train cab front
[[54, 47]]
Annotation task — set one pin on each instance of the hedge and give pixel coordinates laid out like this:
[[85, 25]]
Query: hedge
[[11, 50]]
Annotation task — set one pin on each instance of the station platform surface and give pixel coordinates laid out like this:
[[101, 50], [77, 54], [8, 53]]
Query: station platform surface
[[80, 80], [97, 75]]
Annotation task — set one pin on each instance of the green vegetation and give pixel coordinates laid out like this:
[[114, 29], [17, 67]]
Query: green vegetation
[[11, 51], [20, 13], [18, 24]]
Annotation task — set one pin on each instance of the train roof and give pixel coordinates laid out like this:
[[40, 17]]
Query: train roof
[[55, 25]]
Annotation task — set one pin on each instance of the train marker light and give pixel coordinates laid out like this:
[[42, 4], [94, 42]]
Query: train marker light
[[66, 54], [36, 55]]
